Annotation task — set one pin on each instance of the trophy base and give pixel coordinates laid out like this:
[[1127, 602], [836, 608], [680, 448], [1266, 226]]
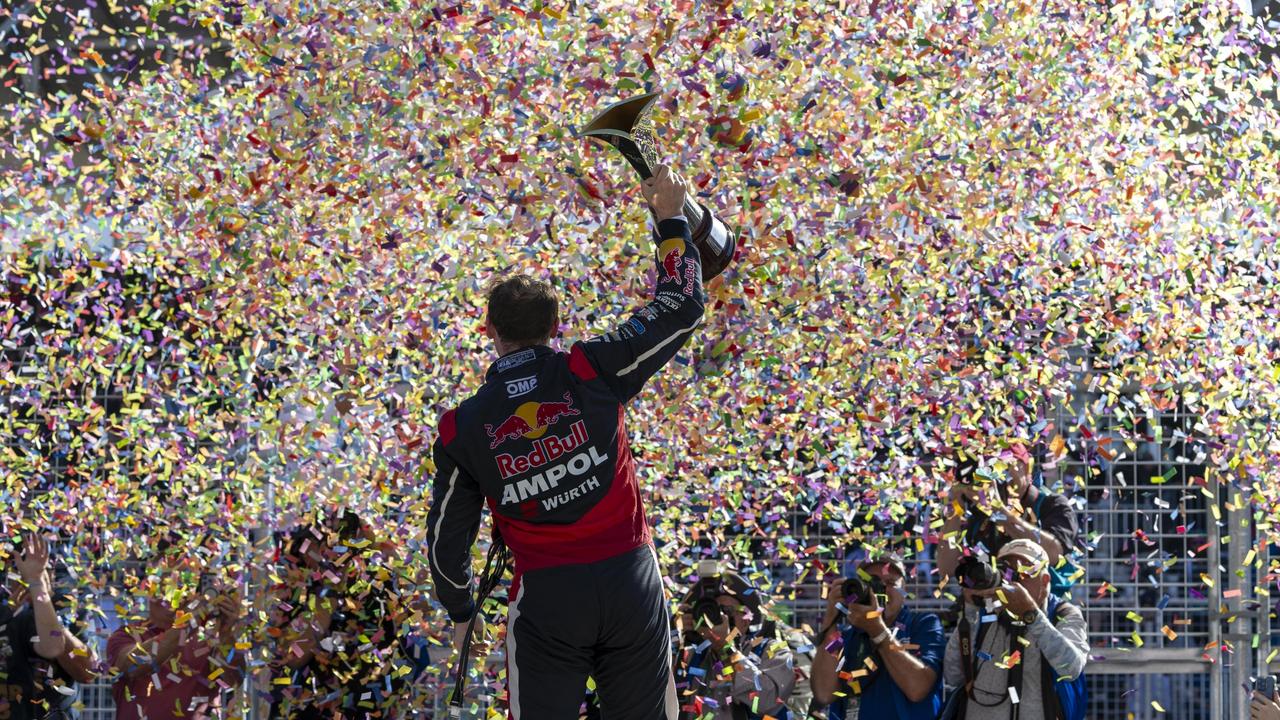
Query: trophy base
[[715, 242]]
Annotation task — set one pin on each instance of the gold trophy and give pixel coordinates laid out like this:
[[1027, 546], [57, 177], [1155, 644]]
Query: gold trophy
[[628, 126]]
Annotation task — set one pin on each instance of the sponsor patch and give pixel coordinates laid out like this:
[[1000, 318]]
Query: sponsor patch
[[580, 465], [515, 359], [636, 325], [522, 386], [671, 258], [530, 421]]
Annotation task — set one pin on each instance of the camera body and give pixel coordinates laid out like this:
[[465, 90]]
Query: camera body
[[1265, 686], [966, 471], [974, 574], [710, 586], [860, 591], [708, 610]]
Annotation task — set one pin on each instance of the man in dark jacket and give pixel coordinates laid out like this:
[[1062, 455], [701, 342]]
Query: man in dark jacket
[[41, 659], [544, 443], [984, 516]]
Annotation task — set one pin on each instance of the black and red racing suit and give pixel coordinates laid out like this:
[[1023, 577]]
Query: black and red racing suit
[[544, 443]]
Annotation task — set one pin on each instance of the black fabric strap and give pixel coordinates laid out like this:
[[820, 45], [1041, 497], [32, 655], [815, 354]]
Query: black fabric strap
[[967, 652], [495, 566], [1015, 672], [1049, 677]]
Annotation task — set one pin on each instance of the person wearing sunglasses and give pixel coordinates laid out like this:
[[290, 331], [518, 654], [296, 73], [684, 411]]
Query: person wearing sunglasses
[[1025, 650]]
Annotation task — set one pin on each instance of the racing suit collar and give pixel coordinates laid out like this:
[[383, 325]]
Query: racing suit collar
[[516, 359]]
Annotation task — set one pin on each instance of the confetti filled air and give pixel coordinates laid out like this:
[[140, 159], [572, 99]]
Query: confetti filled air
[[249, 251]]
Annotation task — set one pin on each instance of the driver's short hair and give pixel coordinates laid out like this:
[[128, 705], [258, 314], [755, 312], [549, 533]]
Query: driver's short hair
[[523, 310]]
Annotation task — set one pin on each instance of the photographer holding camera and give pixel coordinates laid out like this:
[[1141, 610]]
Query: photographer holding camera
[[1018, 652], [876, 657], [987, 514], [340, 652], [731, 661]]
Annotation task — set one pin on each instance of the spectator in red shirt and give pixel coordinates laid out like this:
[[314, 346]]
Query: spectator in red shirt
[[176, 665]]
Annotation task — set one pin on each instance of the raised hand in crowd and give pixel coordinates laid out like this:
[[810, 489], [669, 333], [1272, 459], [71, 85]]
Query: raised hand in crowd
[[32, 564]]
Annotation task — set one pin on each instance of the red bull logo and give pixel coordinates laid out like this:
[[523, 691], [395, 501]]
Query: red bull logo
[[671, 256], [530, 421], [545, 450]]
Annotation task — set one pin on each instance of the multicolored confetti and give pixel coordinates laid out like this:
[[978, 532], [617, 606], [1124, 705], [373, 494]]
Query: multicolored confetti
[[245, 246]]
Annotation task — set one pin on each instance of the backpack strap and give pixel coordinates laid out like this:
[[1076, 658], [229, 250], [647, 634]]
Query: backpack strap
[[1048, 678], [967, 644], [1049, 684], [1015, 672]]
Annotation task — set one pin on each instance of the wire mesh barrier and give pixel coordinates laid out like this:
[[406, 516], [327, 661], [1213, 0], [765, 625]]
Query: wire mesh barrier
[[1181, 697], [97, 702]]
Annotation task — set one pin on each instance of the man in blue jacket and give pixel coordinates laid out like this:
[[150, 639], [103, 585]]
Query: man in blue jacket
[[879, 659]]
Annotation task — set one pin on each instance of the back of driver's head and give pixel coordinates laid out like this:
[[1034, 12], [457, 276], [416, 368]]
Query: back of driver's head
[[523, 310]]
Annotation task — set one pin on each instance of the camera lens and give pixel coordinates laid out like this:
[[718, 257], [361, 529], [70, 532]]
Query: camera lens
[[974, 574], [708, 611], [860, 591]]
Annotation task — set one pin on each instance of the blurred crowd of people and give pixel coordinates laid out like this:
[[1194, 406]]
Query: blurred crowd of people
[[337, 631], [1013, 645], [328, 634]]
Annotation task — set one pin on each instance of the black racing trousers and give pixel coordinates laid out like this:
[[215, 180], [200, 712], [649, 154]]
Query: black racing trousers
[[607, 620]]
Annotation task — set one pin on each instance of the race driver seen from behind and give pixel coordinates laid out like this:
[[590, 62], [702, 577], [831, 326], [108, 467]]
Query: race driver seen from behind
[[544, 443]]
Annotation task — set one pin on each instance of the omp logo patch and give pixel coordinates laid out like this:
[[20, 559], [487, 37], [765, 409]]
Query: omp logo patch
[[522, 386]]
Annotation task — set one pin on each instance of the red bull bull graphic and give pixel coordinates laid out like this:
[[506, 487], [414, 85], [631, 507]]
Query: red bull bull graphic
[[671, 256], [530, 421]]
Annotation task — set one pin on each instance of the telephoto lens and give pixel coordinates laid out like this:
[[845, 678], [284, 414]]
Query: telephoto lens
[[707, 612], [710, 586], [974, 574]]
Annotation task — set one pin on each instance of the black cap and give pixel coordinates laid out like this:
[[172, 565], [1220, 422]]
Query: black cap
[[886, 556]]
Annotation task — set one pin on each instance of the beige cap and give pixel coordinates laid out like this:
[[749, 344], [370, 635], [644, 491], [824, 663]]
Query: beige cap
[[1028, 550]]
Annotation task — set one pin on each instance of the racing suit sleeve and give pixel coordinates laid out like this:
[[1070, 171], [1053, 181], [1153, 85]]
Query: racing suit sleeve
[[452, 525], [639, 347]]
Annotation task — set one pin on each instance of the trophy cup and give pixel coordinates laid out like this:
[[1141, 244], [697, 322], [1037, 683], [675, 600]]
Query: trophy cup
[[628, 126]]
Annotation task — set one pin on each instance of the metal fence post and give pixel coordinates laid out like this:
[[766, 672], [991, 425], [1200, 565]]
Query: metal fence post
[[1236, 578], [1215, 597]]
